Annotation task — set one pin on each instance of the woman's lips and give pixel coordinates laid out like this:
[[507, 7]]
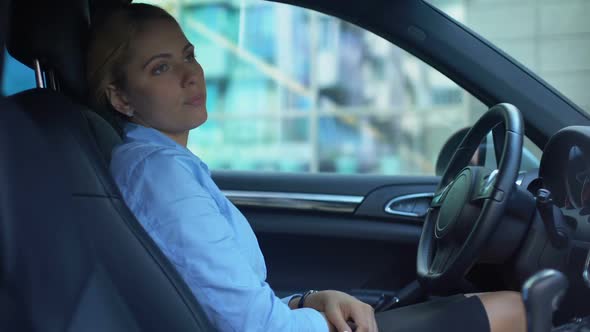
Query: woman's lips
[[196, 101]]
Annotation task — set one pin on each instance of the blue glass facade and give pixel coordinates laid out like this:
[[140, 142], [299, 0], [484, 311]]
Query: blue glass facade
[[17, 77]]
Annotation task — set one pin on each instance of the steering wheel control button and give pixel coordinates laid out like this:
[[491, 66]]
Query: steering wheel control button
[[440, 196], [486, 187], [436, 200], [490, 179]]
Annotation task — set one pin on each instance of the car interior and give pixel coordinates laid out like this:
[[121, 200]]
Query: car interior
[[73, 256]]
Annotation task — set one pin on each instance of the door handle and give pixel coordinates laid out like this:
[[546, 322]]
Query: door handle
[[413, 205]]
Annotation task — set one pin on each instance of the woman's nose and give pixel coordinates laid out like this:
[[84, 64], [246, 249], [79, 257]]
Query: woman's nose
[[191, 75]]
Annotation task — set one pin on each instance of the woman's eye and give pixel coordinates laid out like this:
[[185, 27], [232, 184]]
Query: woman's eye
[[190, 57], [159, 69]]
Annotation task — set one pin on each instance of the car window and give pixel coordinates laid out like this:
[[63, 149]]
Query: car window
[[293, 90], [551, 38], [530, 158], [16, 76]]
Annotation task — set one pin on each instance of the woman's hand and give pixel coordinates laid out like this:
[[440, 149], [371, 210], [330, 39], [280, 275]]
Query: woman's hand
[[339, 307]]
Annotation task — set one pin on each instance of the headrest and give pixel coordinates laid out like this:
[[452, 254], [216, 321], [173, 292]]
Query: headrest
[[53, 32]]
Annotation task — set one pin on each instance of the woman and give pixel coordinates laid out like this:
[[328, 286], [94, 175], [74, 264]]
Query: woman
[[142, 68]]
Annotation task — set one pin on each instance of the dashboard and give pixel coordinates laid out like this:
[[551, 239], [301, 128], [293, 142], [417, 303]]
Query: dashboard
[[565, 168], [565, 171]]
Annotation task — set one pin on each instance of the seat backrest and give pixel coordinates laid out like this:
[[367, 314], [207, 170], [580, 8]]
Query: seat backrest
[[90, 263], [72, 256], [103, 133]]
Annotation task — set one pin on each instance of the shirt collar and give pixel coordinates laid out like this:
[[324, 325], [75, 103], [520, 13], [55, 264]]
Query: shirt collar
[[138, 132]]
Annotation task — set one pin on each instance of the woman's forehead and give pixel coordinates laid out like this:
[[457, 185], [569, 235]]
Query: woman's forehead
[[157, 37]]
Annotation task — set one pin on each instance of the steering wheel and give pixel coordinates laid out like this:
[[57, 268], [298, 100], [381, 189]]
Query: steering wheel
[[469, 202]]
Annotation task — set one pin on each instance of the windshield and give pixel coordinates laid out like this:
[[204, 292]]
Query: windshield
[[551, 38]]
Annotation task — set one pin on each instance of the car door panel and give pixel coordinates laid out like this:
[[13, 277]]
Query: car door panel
[[313, 244]]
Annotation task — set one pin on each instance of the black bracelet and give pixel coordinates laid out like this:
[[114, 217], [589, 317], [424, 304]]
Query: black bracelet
[[303, 297], [295, 297]]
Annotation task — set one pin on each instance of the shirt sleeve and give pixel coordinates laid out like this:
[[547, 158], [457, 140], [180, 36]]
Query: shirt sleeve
[[178, 212]]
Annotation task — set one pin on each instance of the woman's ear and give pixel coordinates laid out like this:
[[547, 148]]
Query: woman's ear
[[119, 100]]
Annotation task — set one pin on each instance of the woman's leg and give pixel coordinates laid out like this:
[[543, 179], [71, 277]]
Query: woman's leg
[[446, 314], [505, 311], [498, 311]]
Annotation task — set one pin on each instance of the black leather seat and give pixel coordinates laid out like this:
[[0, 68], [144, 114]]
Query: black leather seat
[[73, 257]]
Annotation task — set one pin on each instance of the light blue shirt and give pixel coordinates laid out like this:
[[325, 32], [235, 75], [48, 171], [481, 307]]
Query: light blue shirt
[[211, 244]]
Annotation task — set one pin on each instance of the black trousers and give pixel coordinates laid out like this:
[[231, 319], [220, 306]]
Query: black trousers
[[455, 313]]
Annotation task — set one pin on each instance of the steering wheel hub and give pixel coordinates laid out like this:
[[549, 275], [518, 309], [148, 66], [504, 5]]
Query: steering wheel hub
[[455, 200]]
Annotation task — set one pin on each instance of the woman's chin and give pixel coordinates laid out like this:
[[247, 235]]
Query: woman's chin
[[199, 118]]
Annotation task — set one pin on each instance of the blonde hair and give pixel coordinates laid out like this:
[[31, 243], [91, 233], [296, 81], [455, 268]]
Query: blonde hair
[[109, 52]]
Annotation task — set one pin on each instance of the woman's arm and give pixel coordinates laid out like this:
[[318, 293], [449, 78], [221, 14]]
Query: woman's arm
[[185, 221]]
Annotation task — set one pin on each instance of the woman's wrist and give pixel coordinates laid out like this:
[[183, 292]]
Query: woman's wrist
[[304, 297], [309, 299], [294, 300], [315, 301]]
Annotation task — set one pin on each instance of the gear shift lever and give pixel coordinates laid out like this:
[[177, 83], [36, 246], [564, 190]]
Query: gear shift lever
[[541, 295]]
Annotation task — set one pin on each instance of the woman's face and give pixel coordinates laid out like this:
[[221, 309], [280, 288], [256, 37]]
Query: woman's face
[[165, 86]]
